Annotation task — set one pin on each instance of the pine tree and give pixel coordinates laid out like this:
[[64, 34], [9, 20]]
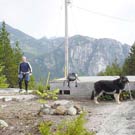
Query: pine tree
[[17, 53], [7, 54], [129, 65], [112, 70], [16, 60], [3, 79], [9, 57]]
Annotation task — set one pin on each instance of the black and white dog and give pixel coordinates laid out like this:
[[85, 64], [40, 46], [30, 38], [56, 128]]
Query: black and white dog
[[70, 78], [110, 87]]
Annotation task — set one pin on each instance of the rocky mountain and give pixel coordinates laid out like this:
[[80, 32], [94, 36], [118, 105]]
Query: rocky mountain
[[87, 56]]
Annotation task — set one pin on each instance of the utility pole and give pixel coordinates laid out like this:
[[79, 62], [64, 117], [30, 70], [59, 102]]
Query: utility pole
[[67, 2]]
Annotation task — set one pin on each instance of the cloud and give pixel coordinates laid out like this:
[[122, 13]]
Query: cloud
[[46, 18]]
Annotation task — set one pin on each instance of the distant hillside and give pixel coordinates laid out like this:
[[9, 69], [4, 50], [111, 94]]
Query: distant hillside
[[87, 56]]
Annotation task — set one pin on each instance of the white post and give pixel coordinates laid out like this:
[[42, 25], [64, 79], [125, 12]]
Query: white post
[[66, 38]]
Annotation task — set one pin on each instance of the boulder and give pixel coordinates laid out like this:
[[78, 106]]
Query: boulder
[[78, 108], [65, 103], [72, 111], [52, 111], [3, 106], [6, 99], [3, 123], [61, 107], [61, 110], [46, 111], [46, 106]]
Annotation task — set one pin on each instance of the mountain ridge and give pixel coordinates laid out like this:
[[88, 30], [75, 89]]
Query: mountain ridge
[[87, 56]]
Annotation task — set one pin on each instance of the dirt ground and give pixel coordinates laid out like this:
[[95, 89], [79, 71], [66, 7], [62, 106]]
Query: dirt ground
[[22, 116], [107, 118]]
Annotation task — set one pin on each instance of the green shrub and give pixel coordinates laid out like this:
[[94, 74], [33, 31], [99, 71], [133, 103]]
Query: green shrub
[[32, 83], [48, 94], [123, 96], [40, 87], [45, 128], [66, 127], [44, 91], [3, 79], [106, 97], [126, 95], [133, 93]]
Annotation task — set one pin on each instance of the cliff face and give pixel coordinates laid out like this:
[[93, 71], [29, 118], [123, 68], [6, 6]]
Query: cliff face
[[93, 56], [87, 56]]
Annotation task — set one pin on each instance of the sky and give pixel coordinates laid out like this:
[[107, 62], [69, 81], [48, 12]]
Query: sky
[[113, 19]]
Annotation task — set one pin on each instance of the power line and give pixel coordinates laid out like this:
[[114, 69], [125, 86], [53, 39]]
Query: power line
[[58, 22], [104, 15], [73, 20], [59, 18]]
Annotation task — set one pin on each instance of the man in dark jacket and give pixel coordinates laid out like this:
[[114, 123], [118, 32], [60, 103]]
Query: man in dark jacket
[[24, 72]]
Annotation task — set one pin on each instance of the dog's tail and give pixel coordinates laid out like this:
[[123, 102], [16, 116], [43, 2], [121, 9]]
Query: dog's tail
[[92, 95]]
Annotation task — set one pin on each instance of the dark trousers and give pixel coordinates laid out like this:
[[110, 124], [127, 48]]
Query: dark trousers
[[26, 82]]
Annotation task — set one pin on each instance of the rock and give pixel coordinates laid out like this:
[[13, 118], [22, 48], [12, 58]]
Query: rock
[[6, 99], [12, 128], [61, 110], [46, 111], [16, 99], [3, 106], [42, 106], [46, 106], [60, 107], [84, 109], [3, 123], [65, 103], [72, 111], [52, 111], [80, 112], [78, 107]]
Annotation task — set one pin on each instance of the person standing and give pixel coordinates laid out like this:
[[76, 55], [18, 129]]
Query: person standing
[[24, 72]]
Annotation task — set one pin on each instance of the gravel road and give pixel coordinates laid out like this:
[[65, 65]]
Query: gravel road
[[112, 119]]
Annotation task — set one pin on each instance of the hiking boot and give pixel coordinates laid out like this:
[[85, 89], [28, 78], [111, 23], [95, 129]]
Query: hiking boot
[[26, 91], [20, 90]]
